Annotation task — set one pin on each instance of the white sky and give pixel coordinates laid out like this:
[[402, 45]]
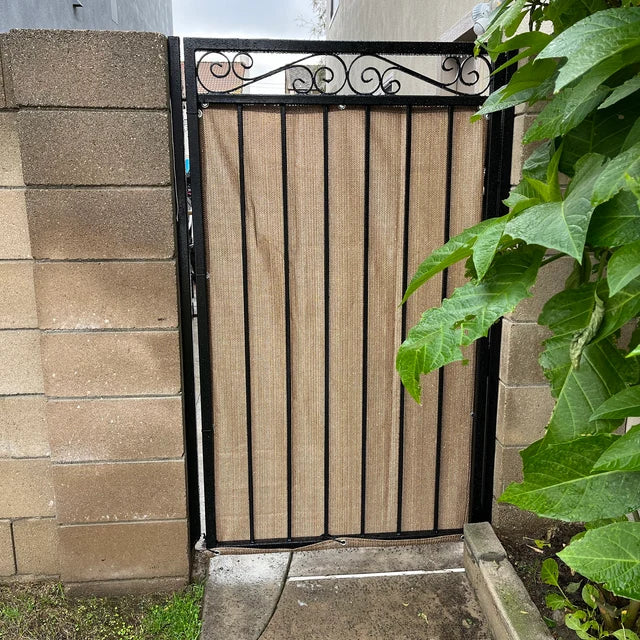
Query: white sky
[[240, 18], [279, 19]]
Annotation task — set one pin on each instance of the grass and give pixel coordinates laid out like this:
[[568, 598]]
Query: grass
[[44, 612]]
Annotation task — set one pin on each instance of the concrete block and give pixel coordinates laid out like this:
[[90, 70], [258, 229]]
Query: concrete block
[[110, 492], [122, 429], [101, 223], [89, 68], [508, 468], [505, 602], [550, 281], [14, 242], [25, 488], [20, 364], [18, 308], [7, 562], [95, 147], [521, 151], [23, 427], [110, 364], [124, 551], [6, 92], [520, 351], [10, 162], [115, 588], [3, 101], [523, 414], [106, 295], [36, 545]]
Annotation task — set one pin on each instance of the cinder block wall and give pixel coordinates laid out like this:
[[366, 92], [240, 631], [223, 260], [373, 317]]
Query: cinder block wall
[[92, 475], [28, 531], [524, 397]]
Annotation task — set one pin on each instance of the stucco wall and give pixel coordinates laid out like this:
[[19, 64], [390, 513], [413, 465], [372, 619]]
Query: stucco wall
[[399, 20], [123, 15]]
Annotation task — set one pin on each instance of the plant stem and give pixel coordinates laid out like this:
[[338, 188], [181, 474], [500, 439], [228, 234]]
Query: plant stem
[[602, 264], [632, 612], [552, 258], [609, 621]]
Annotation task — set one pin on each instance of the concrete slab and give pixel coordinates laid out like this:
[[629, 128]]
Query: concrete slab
[[505, 602], [429, 556], [426, 607], [241, 595]]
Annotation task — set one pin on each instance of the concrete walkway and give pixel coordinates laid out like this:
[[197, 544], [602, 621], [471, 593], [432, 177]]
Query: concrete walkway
[[401, 593]]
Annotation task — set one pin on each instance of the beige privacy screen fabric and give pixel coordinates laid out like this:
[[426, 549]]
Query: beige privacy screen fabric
[[260, 169]]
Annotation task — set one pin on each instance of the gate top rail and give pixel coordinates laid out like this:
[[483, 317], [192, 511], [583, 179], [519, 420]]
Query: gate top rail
[[334, 72]]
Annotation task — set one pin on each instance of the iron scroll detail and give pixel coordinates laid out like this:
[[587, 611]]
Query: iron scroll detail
[[330, 74]]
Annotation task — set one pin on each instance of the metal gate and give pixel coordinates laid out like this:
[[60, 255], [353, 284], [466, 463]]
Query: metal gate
[[319, 181]]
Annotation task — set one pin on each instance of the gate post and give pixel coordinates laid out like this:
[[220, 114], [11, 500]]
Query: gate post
[[92, 119]]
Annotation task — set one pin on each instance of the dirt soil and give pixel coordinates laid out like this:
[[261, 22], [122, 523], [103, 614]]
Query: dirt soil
[[527, 558]]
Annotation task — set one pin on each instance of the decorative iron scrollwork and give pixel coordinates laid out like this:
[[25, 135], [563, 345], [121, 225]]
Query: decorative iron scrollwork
[[364, 74]]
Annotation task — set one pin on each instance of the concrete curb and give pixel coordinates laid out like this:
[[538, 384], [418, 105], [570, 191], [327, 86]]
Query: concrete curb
[[505, 602]]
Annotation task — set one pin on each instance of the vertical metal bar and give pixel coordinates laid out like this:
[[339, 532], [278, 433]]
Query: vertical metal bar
[[184, 278], [287, 312], [496, 187], [365, 315], [405, 279], [202, 293], [327, 331], [245, 300], [445, 279]]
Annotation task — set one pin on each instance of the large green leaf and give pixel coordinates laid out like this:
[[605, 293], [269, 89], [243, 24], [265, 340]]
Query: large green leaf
[[632, 137], [621, 308], [486, 246], [623, 266], [610, 556], [558, 483], [467, 315], [621, 92], [565, 313], [588, 170], [569, 107], [538, 163], [535, 86], [614, 176], [556, 225], [601, 374], [507, 18], [624, 404], [594, 39], [569, 310], [458, 248], [604, 131], [562, 225], [527, 44], [616, 222], [623, 454], [565, 13]]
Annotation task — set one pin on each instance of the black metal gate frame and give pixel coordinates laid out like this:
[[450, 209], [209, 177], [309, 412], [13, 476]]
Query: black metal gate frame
[[496, 187]]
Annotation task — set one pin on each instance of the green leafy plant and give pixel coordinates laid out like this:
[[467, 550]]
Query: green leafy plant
[[579, 199], [583, 619]]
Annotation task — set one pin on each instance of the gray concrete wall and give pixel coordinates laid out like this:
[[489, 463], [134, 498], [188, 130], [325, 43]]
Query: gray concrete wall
[[92, 473], [121, 15], [399, 20]]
